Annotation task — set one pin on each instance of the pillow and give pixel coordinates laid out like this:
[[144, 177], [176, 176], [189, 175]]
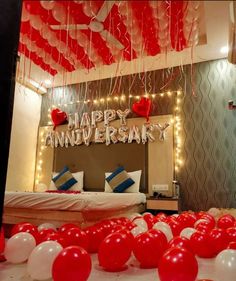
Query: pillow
[[135, 176], [64, 180], [119, 180], [79, 176]]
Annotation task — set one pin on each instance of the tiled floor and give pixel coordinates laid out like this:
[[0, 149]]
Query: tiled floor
[[9, 272]]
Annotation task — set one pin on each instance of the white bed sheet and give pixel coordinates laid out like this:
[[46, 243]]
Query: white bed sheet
[[86, 201]]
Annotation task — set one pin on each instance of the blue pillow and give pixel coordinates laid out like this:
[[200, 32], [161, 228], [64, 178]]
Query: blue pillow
[[64, 180], [119, 180]]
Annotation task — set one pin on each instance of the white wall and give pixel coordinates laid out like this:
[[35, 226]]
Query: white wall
[[22, 156]]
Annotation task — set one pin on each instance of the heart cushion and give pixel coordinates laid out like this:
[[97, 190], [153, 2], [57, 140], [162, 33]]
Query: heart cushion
[[142, 107], [58, 117]]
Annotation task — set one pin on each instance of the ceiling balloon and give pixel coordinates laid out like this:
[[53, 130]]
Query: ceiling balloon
[[86, 34]]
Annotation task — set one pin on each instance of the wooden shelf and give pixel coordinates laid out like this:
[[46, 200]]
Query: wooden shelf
[[168, 204]]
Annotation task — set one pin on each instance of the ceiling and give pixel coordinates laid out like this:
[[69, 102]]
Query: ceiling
[[76, 41]]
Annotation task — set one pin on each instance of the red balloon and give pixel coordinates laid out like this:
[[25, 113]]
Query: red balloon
[[25, 227], [148, 249], [2, 240], [58, 237], [76, 237], [210, 219], [226, 221], [117, 228], [149, 218], [161, 216], [181, 242], [73, 263], [160, 236], [142, 107], [219, 239], [178, 265], [130, 225], [67, 226], [42, 235], [200, 214], [58, 117], [95, 237], [176, 227], [232, 245], [187, 219], [114, 251], [231, 232], [106, 226], [203, 227], [201, 245]]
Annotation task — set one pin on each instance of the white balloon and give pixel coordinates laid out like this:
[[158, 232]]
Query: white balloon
[[36, 22], [214, 212], [45, 31], [147, 213], [141, 223], [187, 232], [165, 228], [199, 221], [25, 14], [59, 13], [225, 265], [46, 226], [19, 247], [47, 5], [137, 230], [41, 260]]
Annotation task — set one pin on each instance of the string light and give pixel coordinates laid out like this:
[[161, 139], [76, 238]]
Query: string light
[[177, 133], [117, 98], [176, 121], [40, 161]]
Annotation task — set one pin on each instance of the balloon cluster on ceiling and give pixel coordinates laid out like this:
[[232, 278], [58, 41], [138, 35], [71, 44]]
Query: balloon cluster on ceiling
[[62, 36]]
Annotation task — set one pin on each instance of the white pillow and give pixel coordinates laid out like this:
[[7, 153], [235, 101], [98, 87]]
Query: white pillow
[[135, 176], [79, 176]]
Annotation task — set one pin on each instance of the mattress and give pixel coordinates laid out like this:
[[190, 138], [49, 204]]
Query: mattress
[[85, 201]]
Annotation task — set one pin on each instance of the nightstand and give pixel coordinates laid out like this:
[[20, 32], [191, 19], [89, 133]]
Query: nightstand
[[163, 204]]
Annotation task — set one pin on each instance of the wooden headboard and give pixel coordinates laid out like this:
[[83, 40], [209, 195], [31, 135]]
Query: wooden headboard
[[97, 159], [155, 159]]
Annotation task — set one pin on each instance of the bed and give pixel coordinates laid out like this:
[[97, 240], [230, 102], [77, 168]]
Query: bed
[[93, 204], [84, 209]]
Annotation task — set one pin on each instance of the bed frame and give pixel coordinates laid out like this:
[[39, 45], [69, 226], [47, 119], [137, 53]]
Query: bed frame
[[83, 219]]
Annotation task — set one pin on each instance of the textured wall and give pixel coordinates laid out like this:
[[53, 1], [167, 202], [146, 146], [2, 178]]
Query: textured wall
[[208, 176]]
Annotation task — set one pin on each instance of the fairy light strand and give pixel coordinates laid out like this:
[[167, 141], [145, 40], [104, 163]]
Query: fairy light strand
[[176, 121]]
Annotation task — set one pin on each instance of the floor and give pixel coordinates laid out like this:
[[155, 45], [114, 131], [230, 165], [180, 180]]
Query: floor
[[9, 272]]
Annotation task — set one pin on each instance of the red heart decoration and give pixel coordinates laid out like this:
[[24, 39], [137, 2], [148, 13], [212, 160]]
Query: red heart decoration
[[142, 107], [58, 117]]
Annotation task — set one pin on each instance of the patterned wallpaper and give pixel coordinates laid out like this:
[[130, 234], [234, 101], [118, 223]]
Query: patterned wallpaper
[[208, 176]]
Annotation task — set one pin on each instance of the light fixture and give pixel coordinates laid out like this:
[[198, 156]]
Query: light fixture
[[224, 50], [48, 82]]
